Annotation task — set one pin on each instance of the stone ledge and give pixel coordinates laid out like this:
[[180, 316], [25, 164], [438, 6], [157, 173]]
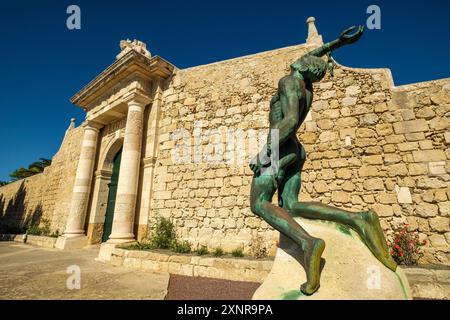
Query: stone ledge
[[40, 241], [12, 237], [428, 282], [237, 269], [425, 282]]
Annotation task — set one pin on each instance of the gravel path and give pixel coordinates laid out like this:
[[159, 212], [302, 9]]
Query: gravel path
[[196, 288]]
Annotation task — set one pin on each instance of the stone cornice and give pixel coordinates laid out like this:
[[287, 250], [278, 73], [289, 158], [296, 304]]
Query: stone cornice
[[133, 62]]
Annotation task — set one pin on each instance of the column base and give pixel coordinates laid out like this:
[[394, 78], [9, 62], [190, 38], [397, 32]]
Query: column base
[[105, 252], [121, 238], [70, 242], [106, 249]]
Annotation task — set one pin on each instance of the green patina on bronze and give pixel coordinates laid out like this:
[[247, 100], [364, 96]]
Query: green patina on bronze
[[344, 229], [279, 165], [402, 285], [292, 295]]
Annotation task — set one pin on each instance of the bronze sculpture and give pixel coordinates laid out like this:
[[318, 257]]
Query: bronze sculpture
[[288, 109]]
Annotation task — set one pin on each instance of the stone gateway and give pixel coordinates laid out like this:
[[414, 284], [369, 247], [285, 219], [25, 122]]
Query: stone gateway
[[369, 144]]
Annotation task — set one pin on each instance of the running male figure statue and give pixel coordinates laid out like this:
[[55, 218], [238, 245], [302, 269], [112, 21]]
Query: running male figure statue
[[288, 110]]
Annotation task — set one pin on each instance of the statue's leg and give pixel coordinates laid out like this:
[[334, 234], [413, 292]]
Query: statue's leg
[[365, 223], [262, 191], [283, 165]]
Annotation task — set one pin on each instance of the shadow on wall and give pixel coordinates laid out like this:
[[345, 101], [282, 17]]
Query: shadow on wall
[[13, 216]]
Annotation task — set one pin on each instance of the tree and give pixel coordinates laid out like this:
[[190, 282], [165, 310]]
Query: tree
[[34, 168]]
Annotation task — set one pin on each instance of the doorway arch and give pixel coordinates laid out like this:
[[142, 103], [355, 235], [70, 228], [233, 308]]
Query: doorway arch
[[112, 192], [99, 202]]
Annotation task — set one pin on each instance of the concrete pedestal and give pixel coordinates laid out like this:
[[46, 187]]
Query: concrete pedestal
[[104, 254], [349, 270]]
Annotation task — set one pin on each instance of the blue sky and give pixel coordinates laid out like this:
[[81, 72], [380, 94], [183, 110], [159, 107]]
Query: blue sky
[[43, 63]]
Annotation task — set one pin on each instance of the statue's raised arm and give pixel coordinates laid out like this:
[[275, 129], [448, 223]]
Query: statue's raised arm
[[345, 38]]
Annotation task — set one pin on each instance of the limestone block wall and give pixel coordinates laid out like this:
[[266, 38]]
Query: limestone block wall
[[43, 196], [372, 145], [369, 144], [209, 202]]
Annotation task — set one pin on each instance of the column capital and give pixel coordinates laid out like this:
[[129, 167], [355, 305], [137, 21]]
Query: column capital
[[137, 98], [92, 125], [103, 174]]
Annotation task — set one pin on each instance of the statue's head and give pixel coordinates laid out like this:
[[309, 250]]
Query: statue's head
[[312, 68]]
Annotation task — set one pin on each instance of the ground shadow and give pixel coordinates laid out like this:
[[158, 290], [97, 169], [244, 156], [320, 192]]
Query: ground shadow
[[14, 218]]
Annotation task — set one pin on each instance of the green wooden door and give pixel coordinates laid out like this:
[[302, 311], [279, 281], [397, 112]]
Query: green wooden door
[[112, 196]]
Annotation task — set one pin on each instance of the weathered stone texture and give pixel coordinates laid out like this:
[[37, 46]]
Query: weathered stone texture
[[45, 196], [237, 269], [367, 142]]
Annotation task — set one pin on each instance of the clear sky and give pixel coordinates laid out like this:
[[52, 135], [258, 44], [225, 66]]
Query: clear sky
[[43, 63]]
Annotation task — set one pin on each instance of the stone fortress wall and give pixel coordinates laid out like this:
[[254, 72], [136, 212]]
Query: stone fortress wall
[[44, 196], [369, 144]]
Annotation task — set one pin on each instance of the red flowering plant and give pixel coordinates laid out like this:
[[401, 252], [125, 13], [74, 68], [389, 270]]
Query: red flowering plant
[[406, 246]]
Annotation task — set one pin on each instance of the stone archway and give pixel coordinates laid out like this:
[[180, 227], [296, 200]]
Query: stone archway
[[103, 175]]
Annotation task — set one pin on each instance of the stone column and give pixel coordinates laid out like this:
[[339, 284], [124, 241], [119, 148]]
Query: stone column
[[83, 180], [123, 223]]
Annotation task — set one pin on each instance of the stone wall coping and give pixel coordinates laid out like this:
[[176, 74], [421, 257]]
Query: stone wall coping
[[421, 85], [228, 268], [11, 237], [250, 56], [41, 241], [429, 282], [180, 257], [24, 180], [384, 71]]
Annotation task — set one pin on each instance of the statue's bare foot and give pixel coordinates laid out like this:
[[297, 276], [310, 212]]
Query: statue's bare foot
[[370, 230], [313, 253]]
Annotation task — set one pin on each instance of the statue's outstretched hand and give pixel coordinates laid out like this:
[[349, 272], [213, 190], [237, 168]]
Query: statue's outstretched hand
[[347, 38]]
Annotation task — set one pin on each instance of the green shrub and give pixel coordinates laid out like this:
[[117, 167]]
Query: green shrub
[[237, 253], [181, 246], [140, 246], [203, 250], [163, 234], [163, 237], [46, 227], [36, 230], [218, 252]]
